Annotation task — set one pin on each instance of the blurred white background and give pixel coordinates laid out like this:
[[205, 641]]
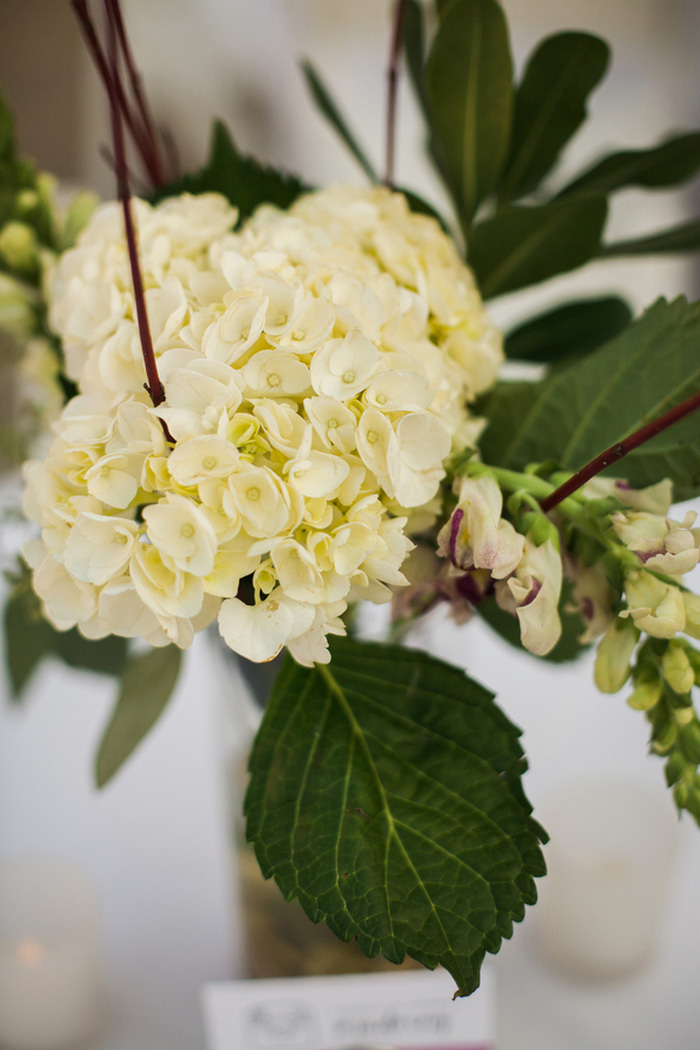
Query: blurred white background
[[155, 842]]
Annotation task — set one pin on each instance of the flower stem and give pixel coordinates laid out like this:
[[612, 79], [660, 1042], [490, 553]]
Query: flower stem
[[154, 385], [142, 132], [392, 89], [620, 449]]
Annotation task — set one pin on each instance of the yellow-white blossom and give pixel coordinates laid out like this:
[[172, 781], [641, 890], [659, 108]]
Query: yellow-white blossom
[[317, 365]]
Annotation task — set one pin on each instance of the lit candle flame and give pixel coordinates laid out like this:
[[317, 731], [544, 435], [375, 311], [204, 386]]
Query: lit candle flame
[[30, 952]]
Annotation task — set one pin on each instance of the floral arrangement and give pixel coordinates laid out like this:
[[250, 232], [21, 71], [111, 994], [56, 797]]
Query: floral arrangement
[[279, 401]]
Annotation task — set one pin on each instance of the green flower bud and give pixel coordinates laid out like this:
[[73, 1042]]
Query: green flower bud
[[675, 767], [78, 215], [676, 668], [540, 529], [665, 738], [25, 202], [16, 314], [645, 695], [612, 662], [18, 247], [692, 614], [684, 715], [690, 741], [681, 794]]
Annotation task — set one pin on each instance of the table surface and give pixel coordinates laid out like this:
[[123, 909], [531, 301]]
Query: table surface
[[156, 844]]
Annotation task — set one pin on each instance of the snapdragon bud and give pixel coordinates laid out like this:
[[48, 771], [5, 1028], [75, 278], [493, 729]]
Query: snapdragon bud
[[690, 741], [19, 248], [676, 668], [648, 689], [612, 662]]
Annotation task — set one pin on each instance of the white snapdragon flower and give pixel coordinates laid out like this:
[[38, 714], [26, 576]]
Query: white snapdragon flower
[[317, 366]]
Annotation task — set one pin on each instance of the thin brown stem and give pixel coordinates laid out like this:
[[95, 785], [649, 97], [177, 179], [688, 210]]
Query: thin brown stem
[[617, 451], [154, 385], [392, 90], [139, 94], [138, 133]]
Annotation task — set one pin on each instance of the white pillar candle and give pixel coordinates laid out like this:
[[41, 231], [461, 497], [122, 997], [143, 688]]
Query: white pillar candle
[[51, 992], [609, 859]]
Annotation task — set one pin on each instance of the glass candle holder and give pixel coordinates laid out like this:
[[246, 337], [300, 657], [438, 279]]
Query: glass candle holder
[[609, 860], [51, 990]]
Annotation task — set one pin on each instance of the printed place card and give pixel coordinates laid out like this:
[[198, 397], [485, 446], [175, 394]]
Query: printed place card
[[408, 1010]]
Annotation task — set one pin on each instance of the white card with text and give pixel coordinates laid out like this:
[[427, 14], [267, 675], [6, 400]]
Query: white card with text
[[409, 1010]]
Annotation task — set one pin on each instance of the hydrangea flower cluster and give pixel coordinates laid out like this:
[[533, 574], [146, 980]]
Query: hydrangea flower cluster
[[317, 366]]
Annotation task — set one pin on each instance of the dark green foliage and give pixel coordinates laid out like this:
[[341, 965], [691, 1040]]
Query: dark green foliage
[[520, 246], [567, 331], [583, 409], [550, 106], [386, 797], [243, 180]]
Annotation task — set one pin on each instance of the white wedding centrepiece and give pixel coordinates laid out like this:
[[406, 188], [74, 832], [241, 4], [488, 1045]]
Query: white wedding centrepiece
[[317, 364]]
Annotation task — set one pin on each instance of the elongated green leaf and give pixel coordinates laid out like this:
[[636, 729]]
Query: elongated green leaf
[[147, 684], [682, 238], [521, 246], [550, 105], [322, 98], [571, 330], [243, 180], [104, 655], [505, 408], [386, 797], [672, 162], [28, 637], [469, 77], [582, 410], [414, 49]]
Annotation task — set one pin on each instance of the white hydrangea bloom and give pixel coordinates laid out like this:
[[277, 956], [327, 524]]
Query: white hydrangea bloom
[[317, 366]]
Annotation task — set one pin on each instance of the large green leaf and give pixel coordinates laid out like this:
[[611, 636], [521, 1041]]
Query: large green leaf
[[469, 77], [570, 330], [589, 406], [146, 686], [386, 797], [520, 246], [414, 49], [505, 408], [326, 105], [243, 180], [550, 105], [672, 162], [682, 238]]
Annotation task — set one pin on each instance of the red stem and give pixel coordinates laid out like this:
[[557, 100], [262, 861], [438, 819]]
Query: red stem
[[139, 134], [617, 451], [136, 82], [154, 385], [393, 83]]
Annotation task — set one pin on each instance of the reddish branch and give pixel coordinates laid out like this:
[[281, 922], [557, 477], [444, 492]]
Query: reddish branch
[[154, 385], [393, 83], [617, 451], [140, 125]]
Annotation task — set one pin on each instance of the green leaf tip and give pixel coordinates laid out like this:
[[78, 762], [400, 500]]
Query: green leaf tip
[[322, 97], [386, 796], [240, 178], [147, 683], [469, 89]]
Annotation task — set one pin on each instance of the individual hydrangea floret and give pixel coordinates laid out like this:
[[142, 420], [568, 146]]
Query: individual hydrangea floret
[[317, 366]]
